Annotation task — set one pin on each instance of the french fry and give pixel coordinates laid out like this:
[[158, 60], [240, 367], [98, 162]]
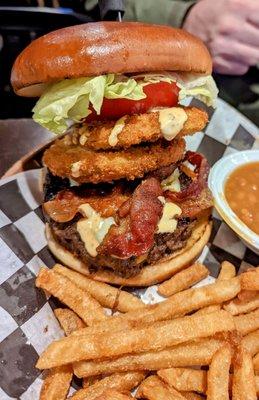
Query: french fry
[[153, 388], [218, 374], [112, 325], [247, 323], [124, 382], [237, 306], [250, 279], [197, 353], [208, 309], [56, 384], [157, 337], [70, 323], [251, 342], [176, 305], [68, 320], [257, 384], [193, 396], [227, 271], [91, 380], [108, 296], [183, 280], [185, 379], [111, 394], [243, 387], [201, 382], [256, 362], [68, 293], [247, 295]]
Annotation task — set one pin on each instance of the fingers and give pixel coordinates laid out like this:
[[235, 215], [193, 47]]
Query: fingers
[[229, 67], [244, 53], [250, 34], [253, 12], [238, 51], [230, 29], [236, 29]]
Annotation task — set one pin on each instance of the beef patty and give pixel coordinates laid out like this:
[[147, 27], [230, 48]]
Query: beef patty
[[164, 244]]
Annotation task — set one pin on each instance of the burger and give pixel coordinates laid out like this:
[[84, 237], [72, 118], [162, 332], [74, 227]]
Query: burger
[[124, 201]]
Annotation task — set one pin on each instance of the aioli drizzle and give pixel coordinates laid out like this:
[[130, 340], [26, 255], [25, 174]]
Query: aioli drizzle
[[93, 228], [116, 130], [171, 121]]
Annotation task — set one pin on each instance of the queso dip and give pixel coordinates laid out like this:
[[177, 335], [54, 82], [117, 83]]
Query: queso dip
[[242, 194]]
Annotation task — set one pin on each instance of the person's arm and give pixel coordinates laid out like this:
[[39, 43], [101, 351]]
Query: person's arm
[[230, 29], [165, 12]]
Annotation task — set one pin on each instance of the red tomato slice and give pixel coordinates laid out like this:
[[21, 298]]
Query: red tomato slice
[[161, 94]]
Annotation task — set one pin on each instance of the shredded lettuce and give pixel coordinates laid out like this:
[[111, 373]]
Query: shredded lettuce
[[201, 87], [68, 101]]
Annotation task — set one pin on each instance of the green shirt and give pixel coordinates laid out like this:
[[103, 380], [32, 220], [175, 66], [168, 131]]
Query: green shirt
[[164, 12]]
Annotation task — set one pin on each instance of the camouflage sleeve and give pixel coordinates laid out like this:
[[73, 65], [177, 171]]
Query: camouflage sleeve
[[167, 12]]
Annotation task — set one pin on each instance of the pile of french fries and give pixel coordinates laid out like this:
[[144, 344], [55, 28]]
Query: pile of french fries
[[201, 341]]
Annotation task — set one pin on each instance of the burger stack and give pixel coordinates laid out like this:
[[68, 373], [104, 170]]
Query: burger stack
[[124, 200]]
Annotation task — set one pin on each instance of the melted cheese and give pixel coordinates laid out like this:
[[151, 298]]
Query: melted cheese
[[116, 130], [93, 228], [171, 121], [168, 223], [172, 182]]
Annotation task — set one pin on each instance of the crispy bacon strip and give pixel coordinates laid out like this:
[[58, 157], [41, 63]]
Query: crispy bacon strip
[[65, 205], [134, 235], [192, 207], [198, 183]]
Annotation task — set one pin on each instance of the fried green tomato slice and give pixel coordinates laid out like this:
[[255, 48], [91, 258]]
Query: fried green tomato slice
[[83, 165], [136, 129]]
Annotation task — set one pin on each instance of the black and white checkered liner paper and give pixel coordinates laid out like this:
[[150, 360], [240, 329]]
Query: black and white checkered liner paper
[[27, 323]]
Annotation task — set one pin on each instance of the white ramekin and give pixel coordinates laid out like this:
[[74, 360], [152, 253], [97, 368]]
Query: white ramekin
[[217, 178]]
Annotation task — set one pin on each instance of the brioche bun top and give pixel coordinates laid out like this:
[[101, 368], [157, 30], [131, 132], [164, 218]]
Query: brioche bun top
[[106, 47]]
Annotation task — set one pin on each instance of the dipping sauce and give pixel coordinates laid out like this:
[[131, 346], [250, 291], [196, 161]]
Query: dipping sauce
[[242, 194]]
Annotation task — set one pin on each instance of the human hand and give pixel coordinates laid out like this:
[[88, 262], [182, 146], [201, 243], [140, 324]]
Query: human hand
[[230, 29]]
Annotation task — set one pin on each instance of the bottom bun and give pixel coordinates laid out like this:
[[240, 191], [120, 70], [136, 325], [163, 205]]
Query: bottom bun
[[149, 275]]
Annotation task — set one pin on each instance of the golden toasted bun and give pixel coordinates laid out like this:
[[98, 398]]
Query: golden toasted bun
[[106, 47], [149, 275]]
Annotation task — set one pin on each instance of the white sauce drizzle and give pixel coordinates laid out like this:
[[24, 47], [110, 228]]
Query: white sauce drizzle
[[171, 121], [93, 228], [116, 130], [168, 223]]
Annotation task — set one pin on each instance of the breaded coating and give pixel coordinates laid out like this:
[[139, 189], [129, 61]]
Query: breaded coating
[[137, 129], [82, 165]]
